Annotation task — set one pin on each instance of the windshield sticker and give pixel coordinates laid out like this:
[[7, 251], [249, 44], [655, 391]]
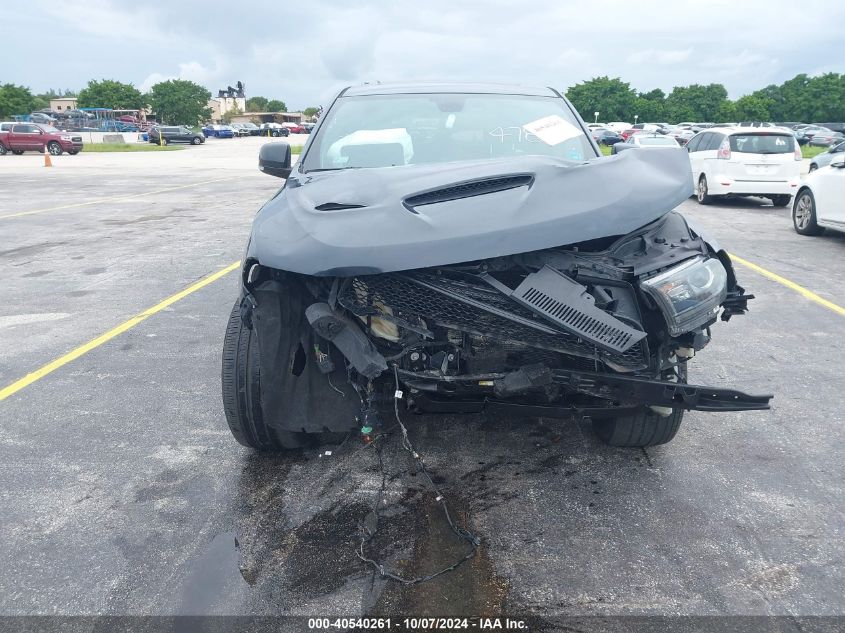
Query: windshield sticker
[[552, 130]]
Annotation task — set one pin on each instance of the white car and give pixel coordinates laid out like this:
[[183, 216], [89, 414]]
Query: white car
[[820, 202], [646, 140], [617, 126], [762, 162]]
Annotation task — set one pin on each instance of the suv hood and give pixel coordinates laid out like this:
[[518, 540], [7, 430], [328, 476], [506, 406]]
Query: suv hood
[[376, 220]]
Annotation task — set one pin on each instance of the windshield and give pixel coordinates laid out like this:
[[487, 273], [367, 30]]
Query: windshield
[[50, 129], [414, 129], [762, 143]]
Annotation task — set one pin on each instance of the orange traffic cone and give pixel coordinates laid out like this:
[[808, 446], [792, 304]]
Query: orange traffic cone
[[47, 161]]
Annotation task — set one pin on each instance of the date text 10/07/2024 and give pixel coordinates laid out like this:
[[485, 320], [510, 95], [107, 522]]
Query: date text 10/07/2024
[[418, 624]]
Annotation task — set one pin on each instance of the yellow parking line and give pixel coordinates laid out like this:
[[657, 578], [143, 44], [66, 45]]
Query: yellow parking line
[[113, 198], [809, 294], [104, 338]]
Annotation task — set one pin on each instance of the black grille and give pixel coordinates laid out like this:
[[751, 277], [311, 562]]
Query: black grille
[[422, 295], [468, 189]]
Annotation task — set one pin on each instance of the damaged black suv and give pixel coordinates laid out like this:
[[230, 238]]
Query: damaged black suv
[[451, 248]]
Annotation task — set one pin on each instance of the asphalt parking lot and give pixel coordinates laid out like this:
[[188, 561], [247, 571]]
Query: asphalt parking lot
[[122, 491]]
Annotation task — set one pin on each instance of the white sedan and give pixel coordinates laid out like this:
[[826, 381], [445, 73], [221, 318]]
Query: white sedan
[[646, 140], [820, 202]]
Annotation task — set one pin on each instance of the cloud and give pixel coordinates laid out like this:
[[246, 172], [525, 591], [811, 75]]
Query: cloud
[[663, 58], [192, 71], [735, 60], [304, 56]]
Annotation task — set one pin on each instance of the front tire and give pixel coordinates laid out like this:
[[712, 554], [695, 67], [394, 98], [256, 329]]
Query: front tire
[[804, 214], [638, 431], [54, 148], [642, 429], [701, 192], [241, 382], [196, 140]]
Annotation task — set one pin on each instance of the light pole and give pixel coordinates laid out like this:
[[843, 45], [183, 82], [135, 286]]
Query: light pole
[[636, 116], [597, 117]]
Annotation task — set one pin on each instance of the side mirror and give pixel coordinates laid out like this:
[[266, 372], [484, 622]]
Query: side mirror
[[838, 161], [274, 159]]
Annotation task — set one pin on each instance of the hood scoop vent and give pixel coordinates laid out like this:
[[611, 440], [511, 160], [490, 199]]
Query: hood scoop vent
[[468, 190]]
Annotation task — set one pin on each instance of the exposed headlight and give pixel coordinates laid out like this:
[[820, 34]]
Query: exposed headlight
[[689, 294]]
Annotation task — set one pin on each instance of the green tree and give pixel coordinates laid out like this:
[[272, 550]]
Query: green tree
[[649, 106], [311, 111], [613, 98], [727, 113], [256, 104], [774, 97], [275, 105], [111, 94], [15, 100], [695, 102], [179, 102], [752, 107], [805, 98]]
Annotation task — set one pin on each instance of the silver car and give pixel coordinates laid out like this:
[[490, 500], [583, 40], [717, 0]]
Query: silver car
[[823, 159]]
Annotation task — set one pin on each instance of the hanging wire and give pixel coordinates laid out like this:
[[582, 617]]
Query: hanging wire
[[369, 529]]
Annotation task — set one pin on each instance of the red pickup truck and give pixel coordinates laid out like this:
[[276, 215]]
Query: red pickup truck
[[29, 137]]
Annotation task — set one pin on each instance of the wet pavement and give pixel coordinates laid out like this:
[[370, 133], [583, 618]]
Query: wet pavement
[[122, 492]]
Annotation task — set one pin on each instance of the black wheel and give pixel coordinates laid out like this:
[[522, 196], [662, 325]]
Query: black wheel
[[73, 152], [646, 428], [166, 142], [813, 167], [196, 140], [17, 152], [804, 214], [54, 148], [241, 382], [781, 201], [3, 149], [701, 193]]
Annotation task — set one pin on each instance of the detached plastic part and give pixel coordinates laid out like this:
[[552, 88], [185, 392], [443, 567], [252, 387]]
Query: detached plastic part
[[347, 337]]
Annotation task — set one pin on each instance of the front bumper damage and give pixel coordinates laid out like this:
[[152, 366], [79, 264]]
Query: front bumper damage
[[622, 395]]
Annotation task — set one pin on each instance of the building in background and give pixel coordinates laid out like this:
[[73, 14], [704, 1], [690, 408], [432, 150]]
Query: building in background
[[63, 104], [221, 105]]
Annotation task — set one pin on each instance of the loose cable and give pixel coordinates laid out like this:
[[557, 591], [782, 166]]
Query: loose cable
[[369, 531]]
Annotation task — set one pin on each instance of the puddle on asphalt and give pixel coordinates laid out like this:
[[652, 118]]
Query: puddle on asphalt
[[278, 562], [213, 578]]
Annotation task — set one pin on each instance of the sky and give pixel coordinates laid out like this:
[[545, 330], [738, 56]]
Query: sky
[[304, 53]]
